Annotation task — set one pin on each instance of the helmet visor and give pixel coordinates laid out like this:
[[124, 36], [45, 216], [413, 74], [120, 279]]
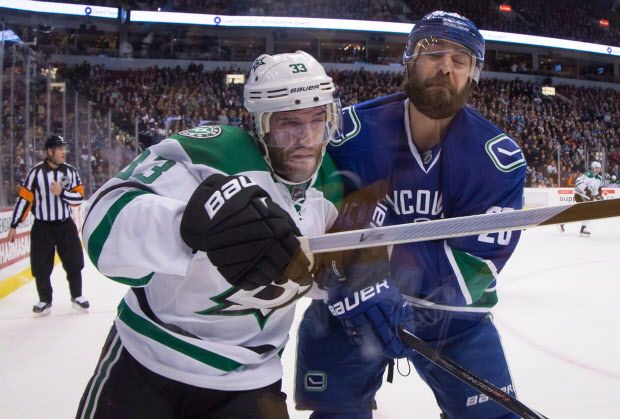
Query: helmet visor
[[437, 48], [303, 127]]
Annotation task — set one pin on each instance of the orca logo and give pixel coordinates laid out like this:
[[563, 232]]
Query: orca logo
[[315, 381], [504, 153]]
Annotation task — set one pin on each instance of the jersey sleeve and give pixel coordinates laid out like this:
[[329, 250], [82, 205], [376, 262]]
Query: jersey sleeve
[[132, 225], [582, 186], [73, 194], [25, 198]]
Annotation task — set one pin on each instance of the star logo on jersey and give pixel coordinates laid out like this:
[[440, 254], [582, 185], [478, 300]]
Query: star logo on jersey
[[257, 63], [208, 131], [505, 153], [261, 302]]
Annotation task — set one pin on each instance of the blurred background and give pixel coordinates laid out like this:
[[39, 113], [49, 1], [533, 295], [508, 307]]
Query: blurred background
[[116, 77]]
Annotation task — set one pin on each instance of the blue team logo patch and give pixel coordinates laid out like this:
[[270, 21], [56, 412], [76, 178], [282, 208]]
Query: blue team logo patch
[[315, 381], [351, 127], [505, 153]]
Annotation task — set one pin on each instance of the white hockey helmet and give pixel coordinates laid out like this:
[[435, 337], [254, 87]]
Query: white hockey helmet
[[595, 165], [288, 82]]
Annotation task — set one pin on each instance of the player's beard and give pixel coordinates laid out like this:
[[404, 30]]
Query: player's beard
[[286, 166], [435, 103]]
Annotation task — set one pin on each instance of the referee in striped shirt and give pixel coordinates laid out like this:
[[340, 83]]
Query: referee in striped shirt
[[51, 188]]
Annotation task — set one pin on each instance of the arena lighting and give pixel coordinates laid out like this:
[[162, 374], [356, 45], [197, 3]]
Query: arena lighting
[[604, 22], [548, 91], [235, 78], [506, 8], [268, 21], [355, 25], [61, 8], [9, 36]]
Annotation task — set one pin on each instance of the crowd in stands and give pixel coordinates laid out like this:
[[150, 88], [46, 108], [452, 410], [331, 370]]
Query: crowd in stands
[[155, 102], [567, 19]]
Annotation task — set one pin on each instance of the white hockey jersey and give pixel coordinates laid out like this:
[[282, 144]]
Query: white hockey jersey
[[588, 185], [181, 318]]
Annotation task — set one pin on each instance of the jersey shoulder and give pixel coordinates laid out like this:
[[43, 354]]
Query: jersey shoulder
[[372, 132], [228, 149], [69, 167], [361, 120], [489, 149]]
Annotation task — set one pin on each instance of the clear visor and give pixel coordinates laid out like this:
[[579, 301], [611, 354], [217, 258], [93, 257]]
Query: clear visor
[[445, 53], [438, 48], [303, 127]]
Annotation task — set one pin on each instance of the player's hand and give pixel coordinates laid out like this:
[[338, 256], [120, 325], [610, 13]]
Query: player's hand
[[249, 238], [371, 316], [11, 235], [367, 301], [56, 188]]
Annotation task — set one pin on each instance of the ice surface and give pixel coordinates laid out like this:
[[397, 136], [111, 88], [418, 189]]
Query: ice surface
[[558, 307]]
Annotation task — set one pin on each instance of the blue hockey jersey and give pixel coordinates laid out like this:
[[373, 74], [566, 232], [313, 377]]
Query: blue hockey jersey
[[475, 169]]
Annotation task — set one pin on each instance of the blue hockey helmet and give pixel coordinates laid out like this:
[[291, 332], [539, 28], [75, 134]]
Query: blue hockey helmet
[[451, 27]]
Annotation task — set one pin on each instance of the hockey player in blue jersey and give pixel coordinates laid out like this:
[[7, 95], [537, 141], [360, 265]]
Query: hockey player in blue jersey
[[438, 158]]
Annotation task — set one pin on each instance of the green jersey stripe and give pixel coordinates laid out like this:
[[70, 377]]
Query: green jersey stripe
[[133, 282], [150, 330], [102, 231], [477, 274]]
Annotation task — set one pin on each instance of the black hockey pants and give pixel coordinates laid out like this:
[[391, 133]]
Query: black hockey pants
[[45, 238]]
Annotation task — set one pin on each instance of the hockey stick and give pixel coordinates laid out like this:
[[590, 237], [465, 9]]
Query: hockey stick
[[460, 226], [501, 397]]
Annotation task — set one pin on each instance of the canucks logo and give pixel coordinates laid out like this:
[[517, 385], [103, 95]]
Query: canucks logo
[[504, 153], [351, 127], [315, 381], [208, 131]]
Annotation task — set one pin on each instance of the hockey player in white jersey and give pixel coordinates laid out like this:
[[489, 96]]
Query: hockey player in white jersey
[[588, 187], [203, 228]]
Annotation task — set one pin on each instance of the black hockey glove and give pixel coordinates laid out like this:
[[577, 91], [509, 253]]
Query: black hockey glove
[[248, 237]]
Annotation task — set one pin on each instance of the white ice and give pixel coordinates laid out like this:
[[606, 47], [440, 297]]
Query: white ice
[[558, 305]]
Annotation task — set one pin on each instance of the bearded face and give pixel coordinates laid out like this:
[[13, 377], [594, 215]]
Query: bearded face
[[437, 96], [438, 79]]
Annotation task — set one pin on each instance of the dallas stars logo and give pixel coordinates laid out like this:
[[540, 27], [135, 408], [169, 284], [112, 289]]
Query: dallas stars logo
[[257, 63], [208, 131], [261, 302]]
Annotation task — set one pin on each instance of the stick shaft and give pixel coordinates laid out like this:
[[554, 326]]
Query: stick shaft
[[460, 226]]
